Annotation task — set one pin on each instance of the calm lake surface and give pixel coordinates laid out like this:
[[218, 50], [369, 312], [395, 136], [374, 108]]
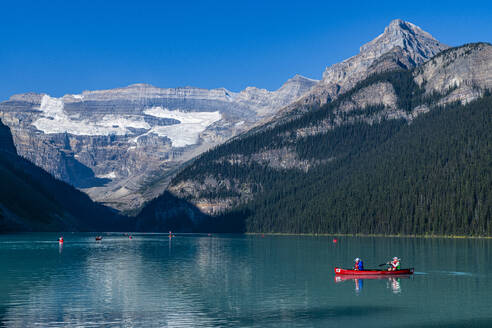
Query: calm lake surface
[[239, 281]]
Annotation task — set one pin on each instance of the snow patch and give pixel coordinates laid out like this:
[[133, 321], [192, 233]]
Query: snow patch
[[110, 175], [188, 130], [54, 119]]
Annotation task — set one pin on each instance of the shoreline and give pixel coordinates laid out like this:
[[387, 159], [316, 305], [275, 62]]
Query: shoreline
[[251, 234], [365, 235]]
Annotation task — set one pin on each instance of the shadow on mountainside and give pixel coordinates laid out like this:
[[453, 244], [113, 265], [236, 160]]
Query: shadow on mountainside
[[82, 176], [31, 199], [170, 213]]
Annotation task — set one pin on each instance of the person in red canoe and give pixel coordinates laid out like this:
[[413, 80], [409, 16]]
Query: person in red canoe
[[359, 266], [394, 264]]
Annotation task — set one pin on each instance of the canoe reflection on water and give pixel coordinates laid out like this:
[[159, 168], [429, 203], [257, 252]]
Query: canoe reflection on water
[[392, 282]]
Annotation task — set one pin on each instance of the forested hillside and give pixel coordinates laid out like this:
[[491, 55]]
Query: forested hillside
[[431, 177], [403, 160]]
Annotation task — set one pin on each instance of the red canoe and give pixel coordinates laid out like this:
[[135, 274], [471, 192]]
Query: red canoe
[[341, 271]]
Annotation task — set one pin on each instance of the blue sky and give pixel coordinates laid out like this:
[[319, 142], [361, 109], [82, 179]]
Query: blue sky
[[60, 47]]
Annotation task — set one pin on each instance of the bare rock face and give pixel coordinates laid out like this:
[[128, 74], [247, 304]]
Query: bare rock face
[[465, 71], [381, 93], [122, 146], [402, 45]]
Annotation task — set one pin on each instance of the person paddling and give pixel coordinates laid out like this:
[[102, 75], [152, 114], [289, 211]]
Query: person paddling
[[394, 264], [359, 266]]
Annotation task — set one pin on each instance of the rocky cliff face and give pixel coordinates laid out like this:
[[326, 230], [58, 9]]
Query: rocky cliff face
[[401, 45], [122, 145], [465, 71]]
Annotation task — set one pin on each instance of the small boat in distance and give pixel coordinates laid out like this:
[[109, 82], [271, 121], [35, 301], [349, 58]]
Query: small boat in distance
[[98, 238], [340, 271]]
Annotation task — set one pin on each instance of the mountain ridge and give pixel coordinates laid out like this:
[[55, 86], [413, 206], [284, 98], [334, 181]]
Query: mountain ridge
[[159, 91], [122, 146], [409, 45], [113, 143], [234, 173]]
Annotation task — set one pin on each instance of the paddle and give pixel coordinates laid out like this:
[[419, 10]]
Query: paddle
[[383, 264]]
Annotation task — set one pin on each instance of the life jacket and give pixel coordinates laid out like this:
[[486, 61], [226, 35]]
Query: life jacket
[[395, 264]]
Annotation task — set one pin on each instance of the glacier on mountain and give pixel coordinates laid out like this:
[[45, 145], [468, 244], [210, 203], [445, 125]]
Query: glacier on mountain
[[54, 119], [140, 135], [188, 130], [134, 138]]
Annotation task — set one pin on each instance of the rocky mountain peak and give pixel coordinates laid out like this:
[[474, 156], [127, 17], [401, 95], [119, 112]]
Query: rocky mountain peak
[[298, 84], [401, 45], [417, 43], [140, 86], [299, 79], [414, 43], [403, 27]]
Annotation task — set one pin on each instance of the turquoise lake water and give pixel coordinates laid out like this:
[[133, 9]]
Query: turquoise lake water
[[240, 281]]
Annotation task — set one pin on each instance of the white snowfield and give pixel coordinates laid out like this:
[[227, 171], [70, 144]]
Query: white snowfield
[[110, 175], [188, 131], [54, 119]]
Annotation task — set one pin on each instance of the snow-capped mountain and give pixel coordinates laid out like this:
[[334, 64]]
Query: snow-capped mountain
[[122, 145]]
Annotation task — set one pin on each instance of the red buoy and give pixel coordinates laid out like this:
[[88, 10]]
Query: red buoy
[[335, 240]]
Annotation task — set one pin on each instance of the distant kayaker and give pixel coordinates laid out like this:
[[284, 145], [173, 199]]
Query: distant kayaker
[[394, 264], [359, 266]]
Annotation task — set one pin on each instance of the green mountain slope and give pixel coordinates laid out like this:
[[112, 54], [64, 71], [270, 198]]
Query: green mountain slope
[[386, 157], [431, 177]]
